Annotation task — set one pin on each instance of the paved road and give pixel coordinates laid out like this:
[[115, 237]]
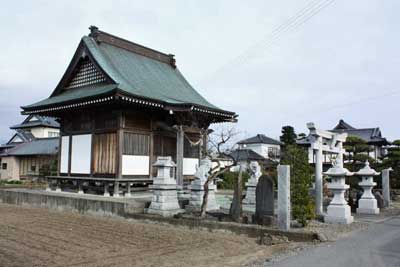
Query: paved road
[[379, 245]]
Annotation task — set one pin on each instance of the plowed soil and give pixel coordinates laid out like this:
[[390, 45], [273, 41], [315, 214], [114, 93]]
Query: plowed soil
[[39, 237]]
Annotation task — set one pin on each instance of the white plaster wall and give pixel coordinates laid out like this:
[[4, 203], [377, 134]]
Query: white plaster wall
[[64, 154], [43, 132], [12, 171], [135, 165], [81, 153], [189, 166], [261, 149]]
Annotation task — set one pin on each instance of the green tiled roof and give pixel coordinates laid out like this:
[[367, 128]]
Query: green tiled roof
[[133, 74], [77, 93]]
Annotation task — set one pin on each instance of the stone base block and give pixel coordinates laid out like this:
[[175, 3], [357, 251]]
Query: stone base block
[[368, 206], [367, 211], [339, 214], [196, 200], [164, 203]]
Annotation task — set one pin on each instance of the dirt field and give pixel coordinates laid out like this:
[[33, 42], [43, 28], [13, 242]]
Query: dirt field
[[38, 237]]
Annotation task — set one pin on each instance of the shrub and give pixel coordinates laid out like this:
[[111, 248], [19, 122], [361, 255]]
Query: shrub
[[303, 207], [229, 179]]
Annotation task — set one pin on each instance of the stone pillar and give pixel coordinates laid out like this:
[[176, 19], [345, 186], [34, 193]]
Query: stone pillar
[[116, 189], [338, 210], [165, 198], [80, 190], [128, 189], [319, 197], [106, 192], [249, 203], [48, 185], [179, 155], [197, 188], [386, 186], [284, 216], [367, 203], [58, 185]]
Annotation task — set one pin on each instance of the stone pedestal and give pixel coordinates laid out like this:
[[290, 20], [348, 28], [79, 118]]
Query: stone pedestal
[[197, 194], [367, 203], [338, 210], [197, 188], [165, 198]]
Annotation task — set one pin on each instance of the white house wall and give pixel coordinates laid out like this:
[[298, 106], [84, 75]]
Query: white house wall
[[81, 153], [135, 165], [43, 132], [64, 160], [12, 171]]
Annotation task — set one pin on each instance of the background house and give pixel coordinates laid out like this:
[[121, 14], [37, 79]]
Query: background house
[[31, 150], [263, 145]]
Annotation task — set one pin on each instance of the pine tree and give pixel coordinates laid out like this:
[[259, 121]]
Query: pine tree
[[357, 153], [288, 136], [392, 160]]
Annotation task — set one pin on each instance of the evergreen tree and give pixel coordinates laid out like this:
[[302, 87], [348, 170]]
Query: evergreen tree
[[357, 153], [392, 160], [288, 136], [300, 181]]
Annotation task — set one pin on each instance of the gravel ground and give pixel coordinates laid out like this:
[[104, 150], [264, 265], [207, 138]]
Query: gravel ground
[[39, 237]]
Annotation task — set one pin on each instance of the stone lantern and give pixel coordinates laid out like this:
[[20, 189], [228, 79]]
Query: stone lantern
[[367, 203], [338, 210], [165, 198]]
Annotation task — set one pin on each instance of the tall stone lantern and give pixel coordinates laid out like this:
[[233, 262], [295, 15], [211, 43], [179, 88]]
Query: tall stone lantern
[[338, 210], [367, 203], [165, 198]]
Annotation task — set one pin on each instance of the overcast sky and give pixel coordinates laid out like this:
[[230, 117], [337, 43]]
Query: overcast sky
[[341, 63]]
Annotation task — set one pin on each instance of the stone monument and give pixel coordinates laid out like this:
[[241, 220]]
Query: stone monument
[[250, 199], [367, 204], [197, 188], [338, 210], [165, 199], [386, 187], [284, 197], [264, 201]]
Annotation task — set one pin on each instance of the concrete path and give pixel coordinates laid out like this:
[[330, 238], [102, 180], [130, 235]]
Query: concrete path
[[379, 245]]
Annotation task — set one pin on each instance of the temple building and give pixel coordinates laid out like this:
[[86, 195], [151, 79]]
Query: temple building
[[120, 106], [32, 150]]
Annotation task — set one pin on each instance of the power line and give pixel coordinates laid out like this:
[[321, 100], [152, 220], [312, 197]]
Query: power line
[[301, 17]]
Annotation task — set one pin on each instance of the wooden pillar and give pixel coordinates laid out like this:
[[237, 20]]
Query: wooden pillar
[[204, 145], [179, 155]]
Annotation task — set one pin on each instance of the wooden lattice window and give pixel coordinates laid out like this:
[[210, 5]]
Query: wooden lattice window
[[136, 144], [86, 74]]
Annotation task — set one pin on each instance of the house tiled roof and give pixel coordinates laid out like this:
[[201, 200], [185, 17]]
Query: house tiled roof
[[245, 155], [260, 139], [369, 135], [43, 146], [39, 121], [131, 70]]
